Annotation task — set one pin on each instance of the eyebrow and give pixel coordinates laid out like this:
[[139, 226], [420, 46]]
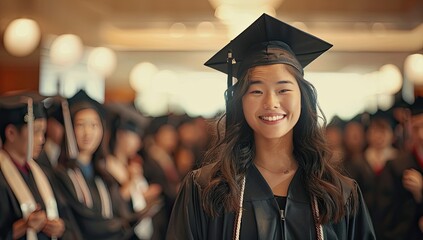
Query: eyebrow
[[253, 82]]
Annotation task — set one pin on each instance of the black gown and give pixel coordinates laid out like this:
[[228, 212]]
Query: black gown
[[90, 220], [401, 212], [261, 217], [10, 210]]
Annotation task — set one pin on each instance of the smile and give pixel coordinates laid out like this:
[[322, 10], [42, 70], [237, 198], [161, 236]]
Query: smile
[[272, 118]]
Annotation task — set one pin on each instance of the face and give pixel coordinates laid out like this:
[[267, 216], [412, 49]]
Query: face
[[40, 127], [19, 138], [88, 130], [379, 137], [130, 141], [272, 103]]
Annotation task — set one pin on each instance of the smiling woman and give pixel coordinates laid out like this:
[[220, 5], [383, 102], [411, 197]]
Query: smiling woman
[[269, 175]]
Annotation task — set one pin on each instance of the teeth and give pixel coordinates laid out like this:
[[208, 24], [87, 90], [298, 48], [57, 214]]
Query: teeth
[[272, 118]]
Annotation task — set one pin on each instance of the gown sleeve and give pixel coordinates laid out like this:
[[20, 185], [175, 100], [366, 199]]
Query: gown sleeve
[[188, 220], [359, 225]]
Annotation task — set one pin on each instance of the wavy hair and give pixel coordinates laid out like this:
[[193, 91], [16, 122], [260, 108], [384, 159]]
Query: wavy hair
[[235, 151]]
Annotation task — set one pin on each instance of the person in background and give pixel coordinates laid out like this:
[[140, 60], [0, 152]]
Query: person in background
[[402, 186], [334, 137], [354, 139], [31, 206], [159, 166], [125, 165], [270, 176], [89, 188], [368, 170]]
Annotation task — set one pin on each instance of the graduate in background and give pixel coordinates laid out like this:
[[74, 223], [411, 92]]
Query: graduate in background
[[402, 187], [270, 177], [30, 205], [90, 190], [125, 165]]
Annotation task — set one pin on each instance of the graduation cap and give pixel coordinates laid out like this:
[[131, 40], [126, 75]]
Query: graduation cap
[[58, 108], [126, 117], [385, 116], [81, 100], [20, 108], [267, 41], [336, 122]]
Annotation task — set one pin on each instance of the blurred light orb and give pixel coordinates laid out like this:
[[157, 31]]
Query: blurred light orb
[[21, 37], [141, 76], [177, 30], [390, 78], [413, 68], [165, 81], [205, 29], [102, 60], [66, 50]]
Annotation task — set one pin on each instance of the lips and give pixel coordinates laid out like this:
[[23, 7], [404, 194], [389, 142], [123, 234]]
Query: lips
[[272, 118]]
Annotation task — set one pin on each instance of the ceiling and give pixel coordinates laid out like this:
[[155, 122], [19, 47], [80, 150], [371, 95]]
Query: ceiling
[[366, 34]]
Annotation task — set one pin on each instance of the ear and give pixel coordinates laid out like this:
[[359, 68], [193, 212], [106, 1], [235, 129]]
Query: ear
[[11, 133]]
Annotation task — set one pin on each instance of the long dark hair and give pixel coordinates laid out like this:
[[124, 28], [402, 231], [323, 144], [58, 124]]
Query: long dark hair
[[235, 151], [98, 157]]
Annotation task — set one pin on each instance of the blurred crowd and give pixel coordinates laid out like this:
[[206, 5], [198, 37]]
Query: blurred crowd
[[112, 173], [383, 152]]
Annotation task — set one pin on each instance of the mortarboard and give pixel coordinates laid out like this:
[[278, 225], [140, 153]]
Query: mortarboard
[[126, 117], [58, 108], [386, 116], [20, 108], [81, 100], [268, 41]]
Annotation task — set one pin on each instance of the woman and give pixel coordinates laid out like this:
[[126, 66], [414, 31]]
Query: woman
[[100, 211], [270, 178]]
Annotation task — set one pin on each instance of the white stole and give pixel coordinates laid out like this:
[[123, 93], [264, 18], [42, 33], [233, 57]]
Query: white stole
[[84, 195], [23, 194], [119, 171]]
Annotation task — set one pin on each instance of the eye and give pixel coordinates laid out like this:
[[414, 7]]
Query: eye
[[284, 90]]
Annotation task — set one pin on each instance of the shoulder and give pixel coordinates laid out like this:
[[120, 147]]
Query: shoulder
[[201, 176], [349, 188]]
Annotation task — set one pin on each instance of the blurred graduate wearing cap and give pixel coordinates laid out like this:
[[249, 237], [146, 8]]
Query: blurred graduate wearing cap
[[31, 206], [92, 195], [402, 186], [125, 165], [367, 170], [269, 176]]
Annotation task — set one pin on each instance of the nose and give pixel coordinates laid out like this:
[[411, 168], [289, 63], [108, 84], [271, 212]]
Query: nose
[[271, 101]]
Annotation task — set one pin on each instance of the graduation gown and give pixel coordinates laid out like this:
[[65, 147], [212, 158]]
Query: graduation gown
[[10, 210], [90, 220], [261, 217], [401, 212]]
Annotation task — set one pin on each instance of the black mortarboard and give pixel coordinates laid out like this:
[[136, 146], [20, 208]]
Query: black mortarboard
[[53, 107], [386, 116], [58, 108], [14, 108], [126, 117], [81, 101], [268, 41], [417, 106], [21, 108], [336, 122]]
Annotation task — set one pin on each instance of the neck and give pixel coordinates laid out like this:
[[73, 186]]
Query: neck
[[14, 154], [84, 158], [275, 155]]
